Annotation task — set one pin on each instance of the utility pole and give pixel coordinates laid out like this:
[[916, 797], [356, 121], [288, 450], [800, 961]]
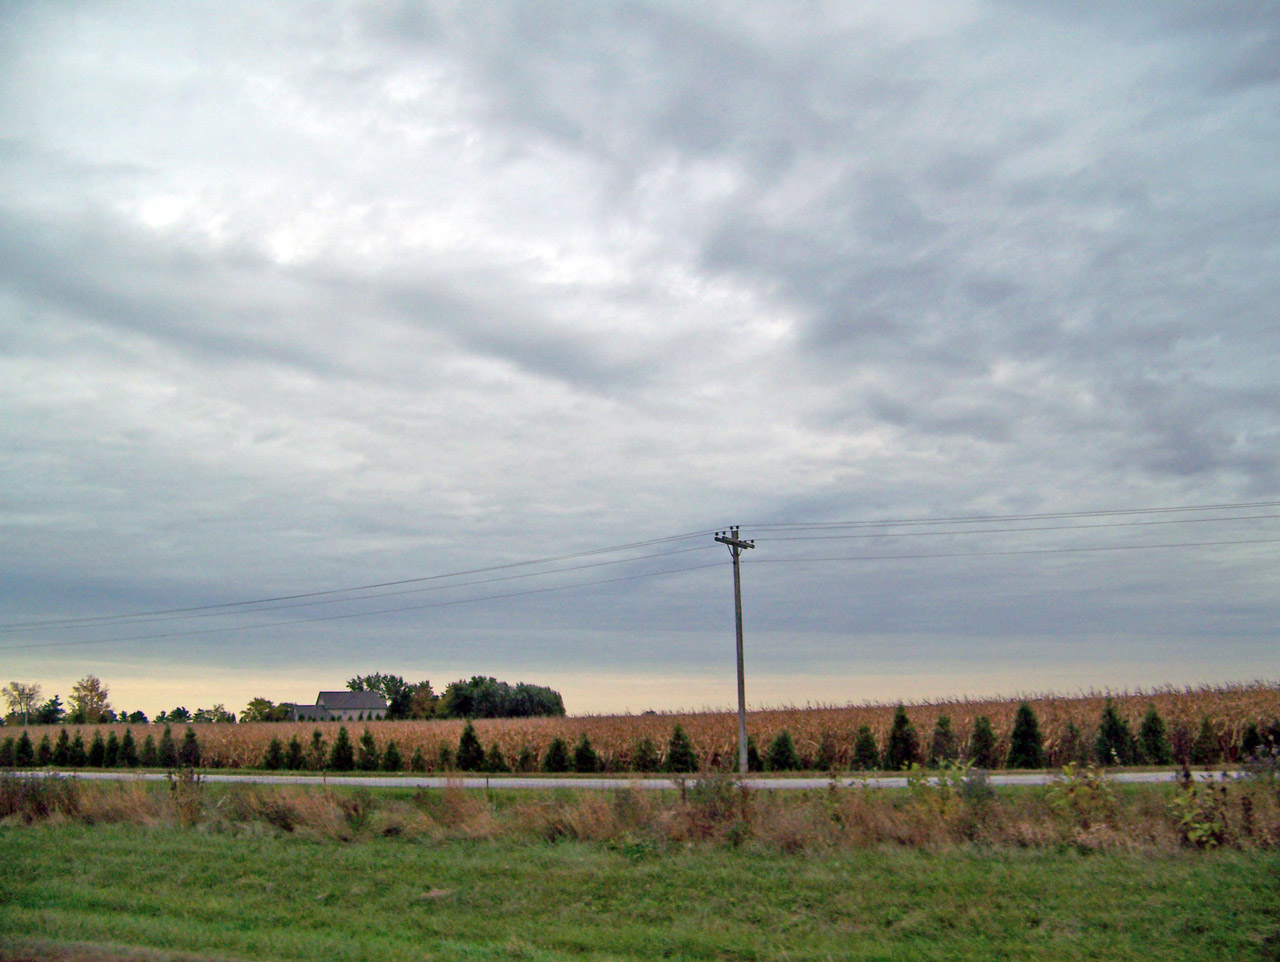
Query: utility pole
[[736, 547]]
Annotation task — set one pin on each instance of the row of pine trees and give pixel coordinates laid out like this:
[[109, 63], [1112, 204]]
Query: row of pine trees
[[1112, 743]]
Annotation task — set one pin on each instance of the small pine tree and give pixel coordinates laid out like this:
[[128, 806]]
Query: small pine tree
[[982, 744], [754, 762], [680, 754], [556, 758], [367, 757], [1072, 746], [7, 752], [1206, 750], [1250, 741], [417, 761], [128, 750], [585, 759], [470, 751], [782, 756], [826, 760], [444, 759], [866, 754], [295, 758], [189, 750], [1114, 744], [903, 746], [167, 751], [1153, 741], [342, 756], [391, 758], [79, 757], [97, 750], [62, 750], [495, 762], [24, 753], [527, 760], [1026, 749], [942, 743], [317, 752], [273, 757], [150, 756], [111, 755], [44, 754], [645, 757]]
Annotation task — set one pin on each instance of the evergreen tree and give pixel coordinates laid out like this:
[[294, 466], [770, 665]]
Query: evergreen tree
[[470, 751], [495, 762], [391, 759], [167, 750], [866, 754], [1072, 747], [1153, 740], [903, 746], [680, 754], [1026, 748], [273, 757], [982, 744], [1250, 741], [6, 752], [1206, 750], [342, 757], [79, 757], [44, 754], [295, 758], [317, 752], [645, 757], [1114, 745], [556, 758], [150, 756], [585, 759], [189, 750], [825, 760], [62, 750], [417, 761], [527, 760], [754, 762], [367, 757], [942, 743], [111, 756], [128, 750], [24, 753], [97, 751], [781, 756], [444, 759]]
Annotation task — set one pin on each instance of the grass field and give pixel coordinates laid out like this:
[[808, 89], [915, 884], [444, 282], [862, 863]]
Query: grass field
[[75, 891], [1080, 870]]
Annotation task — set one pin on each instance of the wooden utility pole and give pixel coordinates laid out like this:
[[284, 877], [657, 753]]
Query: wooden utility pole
[[736, 547]]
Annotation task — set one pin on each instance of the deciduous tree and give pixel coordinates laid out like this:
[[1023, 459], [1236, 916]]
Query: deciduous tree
[[89, 702]]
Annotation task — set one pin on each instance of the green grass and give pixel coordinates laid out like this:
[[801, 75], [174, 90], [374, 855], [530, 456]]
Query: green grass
[[256, 895]]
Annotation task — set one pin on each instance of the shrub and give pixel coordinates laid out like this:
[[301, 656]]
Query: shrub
[[865, 753], [1072, 747], [754, 762], [1026, 750], [342, 757], [903, 746], [585, 759], [392, 761], [781, 756], [645, 757], [1153, 742], [1250, 741], [982, 744], [189, 752], [1114, 745], [942, 743], [273, 757], [556, 758], [470, 751], [367, 757], [825, 760], [680, 754]]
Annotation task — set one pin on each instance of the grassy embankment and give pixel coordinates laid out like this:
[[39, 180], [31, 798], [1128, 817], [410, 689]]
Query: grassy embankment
[[1086, 870]]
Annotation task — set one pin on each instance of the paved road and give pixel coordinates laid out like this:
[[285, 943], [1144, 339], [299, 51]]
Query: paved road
[[545, 782]]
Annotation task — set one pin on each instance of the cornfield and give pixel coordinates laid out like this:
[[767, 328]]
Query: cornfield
[[1228, 709]]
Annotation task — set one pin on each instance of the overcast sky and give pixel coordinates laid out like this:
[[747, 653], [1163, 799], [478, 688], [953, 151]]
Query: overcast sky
[[308, 296]]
